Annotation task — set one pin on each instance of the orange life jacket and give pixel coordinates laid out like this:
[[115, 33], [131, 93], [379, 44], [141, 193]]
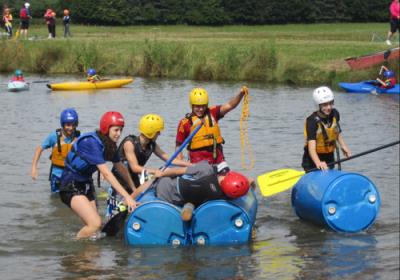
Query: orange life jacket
[[208, 135], [61, 149]]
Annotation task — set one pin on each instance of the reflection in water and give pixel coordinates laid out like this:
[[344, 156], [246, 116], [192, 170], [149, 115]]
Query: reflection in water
[[89, 261], [332, 255], [278, 259]]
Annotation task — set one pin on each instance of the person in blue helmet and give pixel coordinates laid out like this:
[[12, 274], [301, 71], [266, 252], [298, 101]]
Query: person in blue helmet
[[92, 76], [89, 153], [60, 141], [18, 76], [389, 78]]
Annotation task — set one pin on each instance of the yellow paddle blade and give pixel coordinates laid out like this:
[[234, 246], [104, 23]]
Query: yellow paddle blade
[[278, 181]]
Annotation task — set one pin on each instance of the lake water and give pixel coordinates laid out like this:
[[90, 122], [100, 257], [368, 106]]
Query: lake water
[[37, 231]]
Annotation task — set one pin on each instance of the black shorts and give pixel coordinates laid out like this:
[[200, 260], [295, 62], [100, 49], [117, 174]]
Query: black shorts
[[68, 191], [24, 24], [309, 164], [394, 25]]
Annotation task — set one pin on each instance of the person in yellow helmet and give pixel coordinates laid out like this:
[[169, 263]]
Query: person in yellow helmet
[[135, 151], [207, 143]]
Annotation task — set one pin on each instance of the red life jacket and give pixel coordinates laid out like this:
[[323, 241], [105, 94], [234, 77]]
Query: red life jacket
[[23, 13]]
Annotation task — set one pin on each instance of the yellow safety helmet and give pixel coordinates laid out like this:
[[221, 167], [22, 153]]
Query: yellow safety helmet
[[198, 96], [150, 125]]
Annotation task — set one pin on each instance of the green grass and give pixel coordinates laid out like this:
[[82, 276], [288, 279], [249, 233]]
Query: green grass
[[302, 54]]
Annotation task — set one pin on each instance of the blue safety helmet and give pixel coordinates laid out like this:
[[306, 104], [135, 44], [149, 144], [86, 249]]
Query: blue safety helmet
[[388, 74], [18, 72], [91, 72], [69, 115]]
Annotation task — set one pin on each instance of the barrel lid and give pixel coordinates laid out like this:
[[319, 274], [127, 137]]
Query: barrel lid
[[351, 203]]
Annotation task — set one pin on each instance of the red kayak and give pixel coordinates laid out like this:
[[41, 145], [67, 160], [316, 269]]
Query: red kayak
[[369, 60]]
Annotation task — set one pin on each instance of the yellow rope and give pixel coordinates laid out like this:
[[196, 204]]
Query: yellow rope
[[244, 132]]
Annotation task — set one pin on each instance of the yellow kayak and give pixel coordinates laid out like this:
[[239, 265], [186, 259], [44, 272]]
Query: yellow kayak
[[89, 85]]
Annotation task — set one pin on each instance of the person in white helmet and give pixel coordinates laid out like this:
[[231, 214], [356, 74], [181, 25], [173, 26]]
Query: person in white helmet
[[25, 16], [322, 132]]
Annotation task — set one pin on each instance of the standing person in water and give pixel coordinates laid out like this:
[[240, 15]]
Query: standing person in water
[[89, 153], [321, 132], [207, 144], [60, 141], [135, 151]]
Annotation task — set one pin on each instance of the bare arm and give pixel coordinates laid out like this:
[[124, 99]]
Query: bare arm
[[134, 165], [346, 151], [234, 102], [312, 150], [381, 82], [123, 171], [116, 185], [36, 157]]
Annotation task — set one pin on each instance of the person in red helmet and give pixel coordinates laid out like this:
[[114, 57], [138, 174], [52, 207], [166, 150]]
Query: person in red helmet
[[189, 187], [90, 153]]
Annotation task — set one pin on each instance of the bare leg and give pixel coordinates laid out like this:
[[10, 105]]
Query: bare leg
[[87, 211], [389, 36]]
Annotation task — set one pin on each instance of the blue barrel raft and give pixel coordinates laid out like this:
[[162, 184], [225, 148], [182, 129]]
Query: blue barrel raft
[[220, 222], [216, 222], [155, 222], [342, 201]]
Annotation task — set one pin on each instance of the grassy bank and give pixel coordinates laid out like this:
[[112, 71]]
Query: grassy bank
[[288, 54]]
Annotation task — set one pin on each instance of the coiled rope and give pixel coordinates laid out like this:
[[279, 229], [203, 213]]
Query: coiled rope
[[244, 132]]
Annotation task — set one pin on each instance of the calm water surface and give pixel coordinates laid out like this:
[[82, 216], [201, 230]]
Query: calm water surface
[[37, 231]]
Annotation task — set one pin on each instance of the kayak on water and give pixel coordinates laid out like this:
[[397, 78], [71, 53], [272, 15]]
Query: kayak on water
[[103, 84], [16, 86], [368, 87]]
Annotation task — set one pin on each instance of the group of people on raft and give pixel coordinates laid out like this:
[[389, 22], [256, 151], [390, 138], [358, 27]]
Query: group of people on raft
[[75, 157]]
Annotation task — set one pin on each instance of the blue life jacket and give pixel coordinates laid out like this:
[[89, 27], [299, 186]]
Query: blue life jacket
[[76, 163]]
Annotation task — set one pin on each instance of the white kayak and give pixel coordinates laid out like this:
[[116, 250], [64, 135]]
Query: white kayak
[[17, 86]]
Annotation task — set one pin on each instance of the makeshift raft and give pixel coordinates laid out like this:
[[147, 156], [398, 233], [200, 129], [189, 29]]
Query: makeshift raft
[[216, 222]]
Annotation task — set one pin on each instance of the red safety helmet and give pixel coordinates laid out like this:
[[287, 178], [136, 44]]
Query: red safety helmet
[[235, 185], [110, 119]]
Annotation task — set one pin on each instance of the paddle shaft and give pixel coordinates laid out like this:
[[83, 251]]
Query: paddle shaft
[[360, 154], [181, 147]]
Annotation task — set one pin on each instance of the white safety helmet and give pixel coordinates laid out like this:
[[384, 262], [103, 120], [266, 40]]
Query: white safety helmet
[[322, 95], [27, 5]]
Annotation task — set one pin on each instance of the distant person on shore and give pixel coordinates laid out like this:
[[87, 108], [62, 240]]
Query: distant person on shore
[[60, 141], [50, 17], [7, 19], [389, 78], [321, 132], [18, 76], [66, 21], [92, 76], [25, 17], [394, 20]]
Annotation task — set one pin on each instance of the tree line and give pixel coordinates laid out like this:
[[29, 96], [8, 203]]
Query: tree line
[[211, 12]]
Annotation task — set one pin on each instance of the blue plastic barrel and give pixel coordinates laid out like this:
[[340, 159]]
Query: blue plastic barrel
[[220, 222], [155, 222], [342, 201]]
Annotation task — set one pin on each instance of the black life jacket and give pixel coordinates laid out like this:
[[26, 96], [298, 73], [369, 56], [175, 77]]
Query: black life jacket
[[142, 156]]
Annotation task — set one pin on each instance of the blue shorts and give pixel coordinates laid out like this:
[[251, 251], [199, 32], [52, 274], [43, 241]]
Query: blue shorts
[[55, 183]]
